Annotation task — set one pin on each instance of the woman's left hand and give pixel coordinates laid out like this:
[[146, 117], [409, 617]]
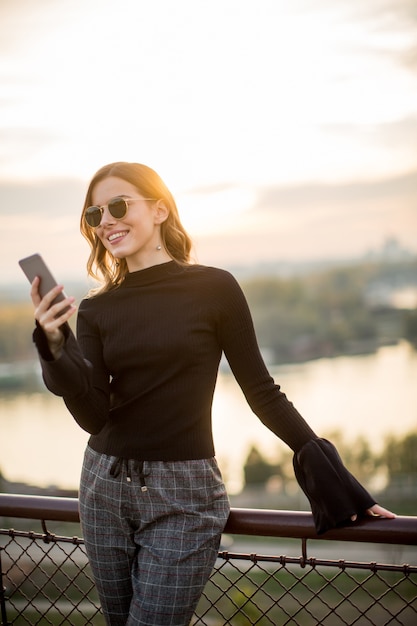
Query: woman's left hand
[[376, 511]]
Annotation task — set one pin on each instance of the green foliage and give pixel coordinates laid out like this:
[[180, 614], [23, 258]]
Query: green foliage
[[257, 470], [300, 318], [410, 326], [16, 327], [400, 455], [328, 313], [358, 456], [397, 463]]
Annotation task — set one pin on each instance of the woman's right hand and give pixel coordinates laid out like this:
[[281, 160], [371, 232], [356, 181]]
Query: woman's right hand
[[52, 316]]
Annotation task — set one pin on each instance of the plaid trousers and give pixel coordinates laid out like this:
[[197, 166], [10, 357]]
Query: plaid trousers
[[152, 532]]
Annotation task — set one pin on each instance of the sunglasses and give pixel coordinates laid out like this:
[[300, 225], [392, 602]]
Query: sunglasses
[[117, 208]]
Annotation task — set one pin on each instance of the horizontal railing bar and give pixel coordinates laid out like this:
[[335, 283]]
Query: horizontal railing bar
[[259, 522], [50, 508], [300, 525]]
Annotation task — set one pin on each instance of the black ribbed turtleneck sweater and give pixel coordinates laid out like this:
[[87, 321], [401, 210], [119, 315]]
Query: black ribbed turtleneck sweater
[[141, 374]]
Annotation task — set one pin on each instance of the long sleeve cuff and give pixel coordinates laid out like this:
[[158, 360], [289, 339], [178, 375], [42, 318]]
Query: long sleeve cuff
[[334, 494], [41, 342], [69, 375]]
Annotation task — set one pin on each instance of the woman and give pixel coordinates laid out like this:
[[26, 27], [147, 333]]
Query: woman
[[140, 379]]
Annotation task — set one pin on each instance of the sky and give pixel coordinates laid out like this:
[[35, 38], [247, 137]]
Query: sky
[[285, 130]]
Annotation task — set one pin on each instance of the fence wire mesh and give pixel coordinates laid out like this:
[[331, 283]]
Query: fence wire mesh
[[46, 579], [281, 590]]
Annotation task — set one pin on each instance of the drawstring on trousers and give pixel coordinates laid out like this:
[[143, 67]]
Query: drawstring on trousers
[[138, 466]]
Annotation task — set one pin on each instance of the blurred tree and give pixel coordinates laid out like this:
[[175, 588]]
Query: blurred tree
[[400, 455], [257, 470], [16, 327], [410, 326], [358, 456]]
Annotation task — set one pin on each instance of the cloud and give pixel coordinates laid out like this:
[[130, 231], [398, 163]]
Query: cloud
[[402, 130], [316, 221], [410, 58], [273, 222], [41, 199], [28, 141], [385, 14], [307, 197]]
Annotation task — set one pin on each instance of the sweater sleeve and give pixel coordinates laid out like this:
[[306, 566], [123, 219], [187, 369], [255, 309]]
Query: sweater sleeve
[[238, 341], [82, 383], [334, 494]]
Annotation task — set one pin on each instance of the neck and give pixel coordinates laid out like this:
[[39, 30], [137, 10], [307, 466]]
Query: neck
[[156, 257]]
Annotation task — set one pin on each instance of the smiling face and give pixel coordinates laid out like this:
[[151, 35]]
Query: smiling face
[[136, 236]]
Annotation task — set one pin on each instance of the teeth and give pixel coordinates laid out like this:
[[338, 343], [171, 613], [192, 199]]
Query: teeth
[[116, 236]]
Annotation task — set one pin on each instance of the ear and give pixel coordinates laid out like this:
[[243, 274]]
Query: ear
[[161, 212]]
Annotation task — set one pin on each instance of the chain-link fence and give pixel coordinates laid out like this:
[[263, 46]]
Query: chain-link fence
[[46, 579]]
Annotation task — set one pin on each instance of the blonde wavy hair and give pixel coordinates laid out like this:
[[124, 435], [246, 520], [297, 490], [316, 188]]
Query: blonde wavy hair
[[101, 265]]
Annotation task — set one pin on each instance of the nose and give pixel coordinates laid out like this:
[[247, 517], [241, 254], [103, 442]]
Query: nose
[[106, 216]]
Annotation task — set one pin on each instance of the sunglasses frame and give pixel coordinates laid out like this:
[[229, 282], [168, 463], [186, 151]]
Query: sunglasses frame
[[94, 210]]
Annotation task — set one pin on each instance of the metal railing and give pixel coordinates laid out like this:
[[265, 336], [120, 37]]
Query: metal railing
[[46, 577]]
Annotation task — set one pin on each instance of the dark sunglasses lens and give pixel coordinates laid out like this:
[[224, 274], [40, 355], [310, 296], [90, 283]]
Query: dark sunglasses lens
[[118, 207], [93, 216]]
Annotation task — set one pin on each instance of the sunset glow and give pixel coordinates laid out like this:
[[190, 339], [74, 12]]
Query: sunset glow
[[231, 102]]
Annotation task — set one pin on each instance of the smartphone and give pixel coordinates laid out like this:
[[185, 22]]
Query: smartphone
[[33, 266]]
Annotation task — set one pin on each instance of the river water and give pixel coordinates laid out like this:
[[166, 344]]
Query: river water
[[369, 395]]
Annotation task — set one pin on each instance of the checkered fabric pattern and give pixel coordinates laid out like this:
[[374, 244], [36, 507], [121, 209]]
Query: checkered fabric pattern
[[152, 532]]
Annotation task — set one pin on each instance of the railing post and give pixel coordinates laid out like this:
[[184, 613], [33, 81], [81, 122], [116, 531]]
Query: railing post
[[4, 621]]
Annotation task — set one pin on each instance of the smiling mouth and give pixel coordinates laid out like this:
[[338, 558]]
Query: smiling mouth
[[116, 236]]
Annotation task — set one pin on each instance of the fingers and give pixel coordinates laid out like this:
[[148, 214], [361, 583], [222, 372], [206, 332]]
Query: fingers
[[379, 511], [376, 511], [51, 316], [34, 292], [54, 316]]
